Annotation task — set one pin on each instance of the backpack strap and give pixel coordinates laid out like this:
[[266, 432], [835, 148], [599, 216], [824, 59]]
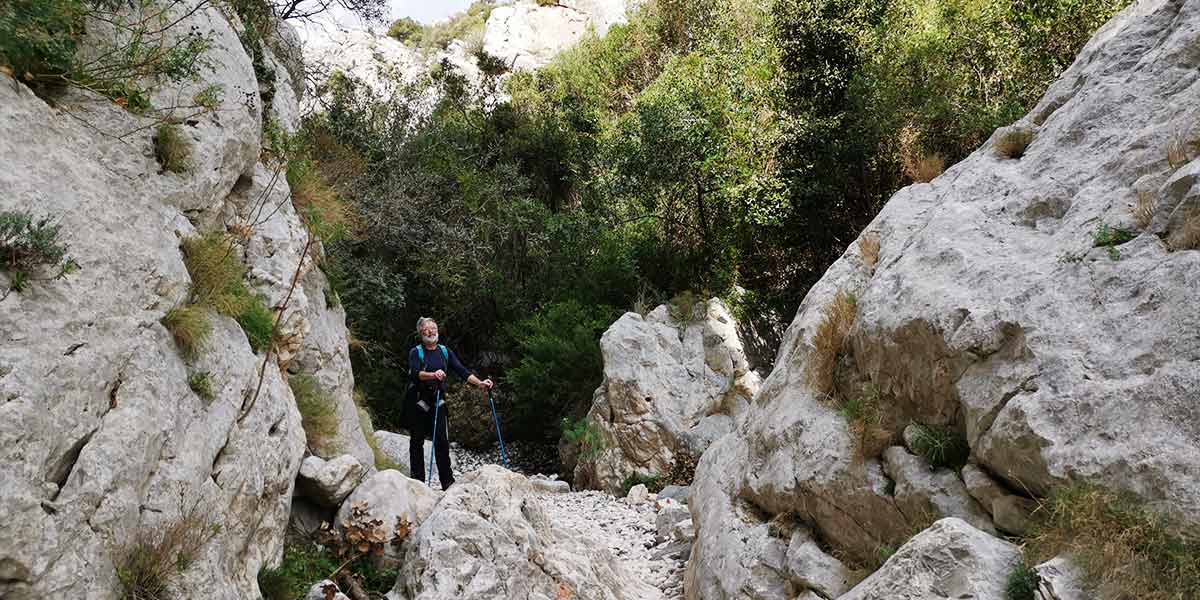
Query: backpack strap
[[421, 355], [445, 355]]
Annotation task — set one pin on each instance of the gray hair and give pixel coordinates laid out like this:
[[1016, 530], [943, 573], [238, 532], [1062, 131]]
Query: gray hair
[[421, 323]]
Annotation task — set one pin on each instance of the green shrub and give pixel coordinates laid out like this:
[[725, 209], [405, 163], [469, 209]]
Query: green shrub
[[39, 38], [154, 559], [201, 384], [258, 322], [1124, 549], [317, 412], [585, 433], [28, 244], [1022, 583], [654, 483], [1110, 238], [306, 562], [172, 148], [189, 326], [404, 29], [560, 366], [941, 447]]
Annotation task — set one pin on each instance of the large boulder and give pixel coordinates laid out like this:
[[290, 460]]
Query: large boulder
[[490, 537], [673, 382], [388, 495], [951, 559], [527, 35], [104, 442], [989, 312]]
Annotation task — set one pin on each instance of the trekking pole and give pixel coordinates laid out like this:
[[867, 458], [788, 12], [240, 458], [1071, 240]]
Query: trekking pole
[[433, 448], [503, 452]]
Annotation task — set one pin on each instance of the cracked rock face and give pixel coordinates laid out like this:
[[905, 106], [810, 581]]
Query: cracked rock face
[[491, 537], [103, 441], [669, 386], [990, 312]]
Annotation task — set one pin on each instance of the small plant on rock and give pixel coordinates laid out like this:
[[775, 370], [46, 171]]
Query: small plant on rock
[[1110, 238], [941, 447], [868, 248], [827, 343], [317, 413], [172, 148], [258, 322], [864, 414], [28, 245], [1022, 583], [155, 558], [585, 433], [201, 383], [189, 326], [1143, 210]]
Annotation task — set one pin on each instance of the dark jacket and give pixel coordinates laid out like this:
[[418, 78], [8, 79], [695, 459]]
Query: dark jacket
[[427, 390]]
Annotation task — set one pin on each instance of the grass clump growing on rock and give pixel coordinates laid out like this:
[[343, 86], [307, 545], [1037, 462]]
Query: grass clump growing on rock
[[317, 412], [172, 148], [1022, 583], [941, 447], [189, 326], [1123, 549], [148, 564], [827, 343], [865, 417], [258, 322]]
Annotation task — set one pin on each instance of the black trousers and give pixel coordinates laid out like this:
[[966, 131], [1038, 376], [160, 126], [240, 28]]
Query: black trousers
[[421, 425]]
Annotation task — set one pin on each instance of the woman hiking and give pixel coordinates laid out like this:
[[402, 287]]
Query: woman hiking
[[427, 366]]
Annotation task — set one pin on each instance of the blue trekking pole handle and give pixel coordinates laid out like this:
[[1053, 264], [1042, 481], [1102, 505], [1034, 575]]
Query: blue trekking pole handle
[[503, 452], [437, 401]]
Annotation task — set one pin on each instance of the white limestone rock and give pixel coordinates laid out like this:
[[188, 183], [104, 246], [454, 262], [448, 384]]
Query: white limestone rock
[[329, 482], [102, 439], [925, 495], [389, 495], [526, 35], [491, 536], [974, 318], [951, 559], [669, 385]]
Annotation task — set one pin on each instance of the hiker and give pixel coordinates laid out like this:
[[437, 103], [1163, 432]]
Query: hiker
[[427, 366]]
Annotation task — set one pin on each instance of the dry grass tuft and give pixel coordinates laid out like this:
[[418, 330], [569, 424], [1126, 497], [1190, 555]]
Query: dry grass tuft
[[317, 413], [323, 211], [1187, 235], [828, 341], [1143, 210], [1177, 151], [189, 326], [868, 247], [915, 163], [172, 148], [1124, 550], [1013, 141], [149, 564]]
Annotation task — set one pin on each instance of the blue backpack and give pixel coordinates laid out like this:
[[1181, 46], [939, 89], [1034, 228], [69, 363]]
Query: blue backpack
[[421, 355]]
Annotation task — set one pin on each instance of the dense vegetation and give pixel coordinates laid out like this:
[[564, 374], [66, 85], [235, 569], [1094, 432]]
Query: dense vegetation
[[704, 145]]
